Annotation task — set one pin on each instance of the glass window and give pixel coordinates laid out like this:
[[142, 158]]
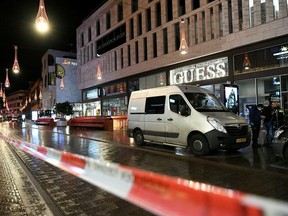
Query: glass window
[[120, 11], [89, 34], [169, 10], [148, 19], [165, 41], [134, 5], [98, 28], [154, 45], [177, 35], [139, 26], [131, 29], [114, 107], [155, 105], [108, 20], [178, 105], [158, 14], [181, 7], [268, 58]]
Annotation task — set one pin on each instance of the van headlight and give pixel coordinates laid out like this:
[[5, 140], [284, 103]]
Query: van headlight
[[216, 124]]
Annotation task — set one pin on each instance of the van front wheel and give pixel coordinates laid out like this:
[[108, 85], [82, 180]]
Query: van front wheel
[[198, 145], [138, 138]]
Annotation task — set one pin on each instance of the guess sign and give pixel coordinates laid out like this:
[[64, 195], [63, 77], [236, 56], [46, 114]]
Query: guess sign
[[203, 71]]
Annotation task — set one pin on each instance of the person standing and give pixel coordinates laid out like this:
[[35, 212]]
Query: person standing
[[267, 114], [255, 122]]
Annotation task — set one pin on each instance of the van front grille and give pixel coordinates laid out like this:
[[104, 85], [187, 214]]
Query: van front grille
[[237, 130]]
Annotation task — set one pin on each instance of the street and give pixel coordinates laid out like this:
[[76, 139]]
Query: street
[[251, 171]]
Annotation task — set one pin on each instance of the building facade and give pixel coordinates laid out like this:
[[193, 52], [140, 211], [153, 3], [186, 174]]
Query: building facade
[[59, 75], [136, 45]]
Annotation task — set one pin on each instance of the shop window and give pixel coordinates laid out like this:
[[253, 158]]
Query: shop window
[[268, 58]]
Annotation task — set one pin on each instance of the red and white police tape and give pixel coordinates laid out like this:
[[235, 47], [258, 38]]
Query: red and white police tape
[[159, 194]]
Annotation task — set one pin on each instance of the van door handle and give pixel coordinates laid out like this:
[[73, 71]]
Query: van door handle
[[170, 119], [159, 119]]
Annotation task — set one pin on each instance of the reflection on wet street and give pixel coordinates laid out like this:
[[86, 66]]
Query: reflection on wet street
[[245, 170]]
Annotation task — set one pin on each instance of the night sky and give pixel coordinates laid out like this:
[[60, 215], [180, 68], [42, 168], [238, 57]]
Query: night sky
[[17, 27]]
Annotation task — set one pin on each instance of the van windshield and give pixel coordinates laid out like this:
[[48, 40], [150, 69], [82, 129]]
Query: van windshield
[[204, 102]]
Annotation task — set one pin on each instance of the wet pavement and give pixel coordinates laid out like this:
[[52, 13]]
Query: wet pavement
[[257, 172]]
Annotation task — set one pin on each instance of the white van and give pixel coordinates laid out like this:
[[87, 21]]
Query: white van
[[185, 116]]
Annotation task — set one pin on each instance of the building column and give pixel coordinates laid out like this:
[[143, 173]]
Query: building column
[[192, 29], [200, 27], [225, 18], [235, 16], [245, 11], [283, 8], [257, 13], [216, 21], [208, 24], [269, 11]]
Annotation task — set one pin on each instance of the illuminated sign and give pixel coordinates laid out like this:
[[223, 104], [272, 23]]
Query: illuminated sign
[[68, 62], [212, 69], [92, 94]]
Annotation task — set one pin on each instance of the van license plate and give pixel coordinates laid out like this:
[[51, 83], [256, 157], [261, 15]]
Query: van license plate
[[240, 140]]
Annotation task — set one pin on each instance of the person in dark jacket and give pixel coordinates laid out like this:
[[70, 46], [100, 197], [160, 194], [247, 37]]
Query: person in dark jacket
[[267, 116], [255, 122]]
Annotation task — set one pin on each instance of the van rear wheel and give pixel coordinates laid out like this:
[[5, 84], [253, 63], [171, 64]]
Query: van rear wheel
[[198, 145], [138, 138]]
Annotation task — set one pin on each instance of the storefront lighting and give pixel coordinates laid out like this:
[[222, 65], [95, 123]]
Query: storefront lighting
[[41, 21], [15, 67], [246, 62], [183, 44]]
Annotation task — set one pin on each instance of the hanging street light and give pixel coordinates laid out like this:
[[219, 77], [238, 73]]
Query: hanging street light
[[7, 83], [35, 95], [40, 94], [183, 44], [99, 72], [1, 91], [16, 67], [246, 62], [62, 83], [41, 21]]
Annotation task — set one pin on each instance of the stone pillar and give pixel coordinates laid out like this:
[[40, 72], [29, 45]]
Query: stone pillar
[[257, 13], [245, 11], [225, 18], [269, 11], [235, 16]]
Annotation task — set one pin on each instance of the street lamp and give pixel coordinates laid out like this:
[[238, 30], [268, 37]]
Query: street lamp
[[7, 83], [183, 44], [99, 72], [41, 21], [16, 67]]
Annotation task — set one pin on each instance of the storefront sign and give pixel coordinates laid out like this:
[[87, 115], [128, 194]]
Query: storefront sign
[[91, 94], [212, 69]]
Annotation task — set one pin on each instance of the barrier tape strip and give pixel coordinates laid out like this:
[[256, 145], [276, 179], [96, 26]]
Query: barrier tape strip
[[159, 194]]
